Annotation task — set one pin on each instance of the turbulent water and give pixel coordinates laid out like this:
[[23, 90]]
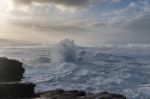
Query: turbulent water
[[120, 69]]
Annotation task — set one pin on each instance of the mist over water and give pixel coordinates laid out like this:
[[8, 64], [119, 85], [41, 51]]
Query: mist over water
[[66, 50]]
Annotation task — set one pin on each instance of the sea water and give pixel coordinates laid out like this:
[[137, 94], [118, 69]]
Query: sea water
[[117, 69]]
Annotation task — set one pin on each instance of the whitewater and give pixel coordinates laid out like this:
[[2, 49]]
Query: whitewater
[[118, 69]]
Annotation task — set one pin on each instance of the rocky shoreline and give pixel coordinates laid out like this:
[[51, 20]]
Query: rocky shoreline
[[11, 86], [75, 94]]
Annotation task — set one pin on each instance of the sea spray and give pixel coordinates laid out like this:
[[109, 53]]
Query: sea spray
[[66, 51]]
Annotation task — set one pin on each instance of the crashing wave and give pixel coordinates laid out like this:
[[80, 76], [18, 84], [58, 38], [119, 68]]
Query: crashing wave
[[64, 51]]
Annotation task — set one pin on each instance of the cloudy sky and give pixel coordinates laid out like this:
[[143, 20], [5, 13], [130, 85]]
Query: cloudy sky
[[88, 22]]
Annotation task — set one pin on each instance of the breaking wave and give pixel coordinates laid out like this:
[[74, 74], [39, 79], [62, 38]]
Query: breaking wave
[[64, 51]]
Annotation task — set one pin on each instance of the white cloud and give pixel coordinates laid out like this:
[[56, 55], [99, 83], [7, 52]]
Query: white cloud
[[133, 5]]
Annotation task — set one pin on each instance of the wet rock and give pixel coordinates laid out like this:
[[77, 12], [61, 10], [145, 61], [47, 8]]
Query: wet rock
[[10, 70], [16, 90], [11, 73], [106, 95], [75, 94]]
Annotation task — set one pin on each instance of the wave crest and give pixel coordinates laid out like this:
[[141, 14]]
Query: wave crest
[[64, 51]]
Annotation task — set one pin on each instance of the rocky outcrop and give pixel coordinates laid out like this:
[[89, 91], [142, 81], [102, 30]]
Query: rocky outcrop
[[75, 94], [16, 90], [11, 73], [10, 70]]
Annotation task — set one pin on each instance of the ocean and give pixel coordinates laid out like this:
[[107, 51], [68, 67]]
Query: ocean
[[123, 69]]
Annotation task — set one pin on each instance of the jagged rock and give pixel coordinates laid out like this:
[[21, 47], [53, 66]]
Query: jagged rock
[[75, 94], [10, 70], [16, 90]]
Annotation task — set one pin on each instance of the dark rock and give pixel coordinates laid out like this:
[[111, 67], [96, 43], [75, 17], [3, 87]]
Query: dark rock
[[58, 91], [11, 73], [75, 94], [10, 70], [17, 90]]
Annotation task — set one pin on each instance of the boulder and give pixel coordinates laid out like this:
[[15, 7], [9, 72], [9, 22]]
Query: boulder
[[11, 87], [16, 90], [10, 70]]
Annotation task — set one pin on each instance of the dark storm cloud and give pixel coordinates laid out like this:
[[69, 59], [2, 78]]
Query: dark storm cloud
[[74, 3], [128, 24]]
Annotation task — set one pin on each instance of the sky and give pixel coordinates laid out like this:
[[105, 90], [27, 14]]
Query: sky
[[88, 22]]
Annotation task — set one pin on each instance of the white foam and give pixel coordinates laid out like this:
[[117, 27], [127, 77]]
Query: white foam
[[64, 51]]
